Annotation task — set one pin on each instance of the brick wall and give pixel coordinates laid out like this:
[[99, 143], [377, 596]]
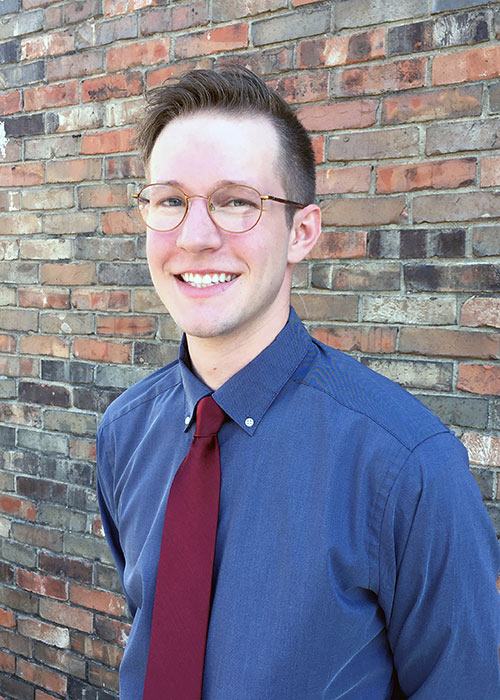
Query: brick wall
[[403, 100]]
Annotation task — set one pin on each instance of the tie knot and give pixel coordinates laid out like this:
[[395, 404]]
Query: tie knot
[[209, 417]]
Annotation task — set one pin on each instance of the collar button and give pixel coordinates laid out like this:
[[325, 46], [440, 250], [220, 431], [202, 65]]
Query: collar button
[[187, 419], [249, 422]]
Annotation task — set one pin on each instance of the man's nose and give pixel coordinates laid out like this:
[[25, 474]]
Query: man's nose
[[198, 231]]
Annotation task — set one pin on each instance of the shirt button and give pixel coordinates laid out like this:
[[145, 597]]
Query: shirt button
[[249, 422], [187, 419]]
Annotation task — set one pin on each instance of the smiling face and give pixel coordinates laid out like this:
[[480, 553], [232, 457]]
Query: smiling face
[[217, 284]]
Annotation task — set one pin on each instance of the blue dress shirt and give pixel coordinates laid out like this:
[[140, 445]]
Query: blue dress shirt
[[354, 560]]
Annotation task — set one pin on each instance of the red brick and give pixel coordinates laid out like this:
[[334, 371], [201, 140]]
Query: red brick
[[97, 528], [436, 104], [326, 307], [483, 449], [17, 507], [10, 103], [143, 53], [101, 196], [44, 345], [42, 676], [318, 144], [107, 654], [41, 695], [130, 326], [7, 343], [366, 211], [441, 174], [233, 36], [490, 171], [111, 87], [343, 180], [102, 300], [7, 663], [118, 223], [339, 244], [46, 45], [350, 338], [74, 66], [43, 298], [19, 367], [123, 167], [304, 87], [24, 175], [353, 114], [121, 7], [466, 66], [68, 274], [102, 350], [7, 618], [43, 585], [481, 311], [67, 615], [108, 141], [449, 343], [74, 170], [51, 96], [160, 75], [479, 379], [341, 50], [386, 77], [97, 600]]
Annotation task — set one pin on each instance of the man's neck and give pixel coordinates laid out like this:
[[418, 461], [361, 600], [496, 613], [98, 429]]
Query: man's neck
[[215, 360]]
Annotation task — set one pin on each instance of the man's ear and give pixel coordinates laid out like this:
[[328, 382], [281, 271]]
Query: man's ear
[[305, 232]]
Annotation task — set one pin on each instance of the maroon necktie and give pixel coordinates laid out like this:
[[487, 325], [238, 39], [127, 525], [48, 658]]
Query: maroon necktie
[[183, 586]]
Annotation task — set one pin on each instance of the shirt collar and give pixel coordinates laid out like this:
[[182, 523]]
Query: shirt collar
[[247, 395]]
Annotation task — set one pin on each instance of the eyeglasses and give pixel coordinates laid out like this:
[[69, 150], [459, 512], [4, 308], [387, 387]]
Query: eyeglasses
[[232, 208]]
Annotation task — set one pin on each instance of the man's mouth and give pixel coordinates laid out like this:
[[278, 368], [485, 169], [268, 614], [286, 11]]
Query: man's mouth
[[206, 280]]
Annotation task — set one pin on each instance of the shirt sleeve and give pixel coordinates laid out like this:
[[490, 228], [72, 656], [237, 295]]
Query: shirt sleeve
[[439, 560]]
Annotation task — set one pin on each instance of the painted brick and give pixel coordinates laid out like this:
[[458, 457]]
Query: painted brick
[[456, 207], [352, 338], [481, 134], [368, 211], [49, 634], [409, 310], [387, 77], [466, 66], [165, 19], [144, 53], [325, 307], [75, 66], [51, 96], [359, 13], [339, 244], [227, 38], [417, 243], [444, 174], [486, 240], [388, 143], [423, 105], [483, 449], [355, 114], [479, 378], [102, 351], [481, 311], [459, 278], [341, 50], [414, 373]]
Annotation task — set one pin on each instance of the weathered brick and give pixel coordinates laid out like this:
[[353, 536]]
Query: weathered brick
[[305, 87], [20, 224], [126, 111], [9, 51], [483, 449], [117, 167], [54, 370], [424, 105], [386, 77], [113, 631], [21, 320], [339, 244], [21, 23], [71, 12], [17, 507], [49, 634], [9, 6], [42, 298], [359, 13], [17, 554], [90, 400], [75, 119], [23, 74], [48, 198], [45, 394], [326, 307], [67, 274], [481, 311], [234, 36], [45, 442], [130, 326], [44, 345], [301, 23], [51, 147], [167, 19], [118, 377], [460, 411], [102, 351], [479, 378], [444, 174], [223, 11], [61, 660], [494, 93], [7, 343], [414, 374], [74, 170], [10, 103], [490, 171], [51, 96], [99, 675], [124, 274], [466, 66], [341, 50], [9, 250], [107, 654], [37, 583], [143, 53], [19, 690], [368, 211], [450, 343], [102, 300], [481, 134], [81, 372], [388, 143], [147, 300], [263, 62], [352, 338], [80, 448], [111, 87], [417, 310], [355, 114], [22, 175], [456, 207], [357, 276], [86, 547], [158, 76], [46, 249], [486, 240], [67, 323], [66, 568], [417, 243], [47, 45], [101, 196], [75, 65]]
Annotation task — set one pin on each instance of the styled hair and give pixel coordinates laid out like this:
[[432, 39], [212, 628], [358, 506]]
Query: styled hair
[[235, 90]]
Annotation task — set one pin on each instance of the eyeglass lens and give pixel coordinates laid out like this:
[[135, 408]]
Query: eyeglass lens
[[234, 208]]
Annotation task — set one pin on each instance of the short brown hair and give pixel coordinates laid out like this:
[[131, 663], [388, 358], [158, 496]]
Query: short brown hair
[[236, 90]]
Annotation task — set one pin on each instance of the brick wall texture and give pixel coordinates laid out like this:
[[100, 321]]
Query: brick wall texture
[[402, 98]]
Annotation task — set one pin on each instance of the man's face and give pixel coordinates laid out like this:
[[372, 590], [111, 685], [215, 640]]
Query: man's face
[[199, 153]]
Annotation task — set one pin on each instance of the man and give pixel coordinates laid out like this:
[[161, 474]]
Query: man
[[354, 558]]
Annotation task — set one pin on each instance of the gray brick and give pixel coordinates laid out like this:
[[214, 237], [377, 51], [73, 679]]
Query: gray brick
[[495, 414], [107, 31], [321, 276], [124, 274], [416, 243], [92, 248], [55, 370], [18, 554], [106, 577], [75, 473], [263, 62], [61, 517], [48, 443], [154, 354], [9, 51], [485, 481], [459, 278], [460, 411], [294, 26], [16, 599], [7, 436], [87, 547], [8, 388], [456, 207], [93, 400], [52, 147], [444, 5], [410, 374], [70, 422], [81, 373], [495, 98], [449, 137], [14, 76], [28, 124], [486, 241], [360, 13], [464, 28], [9, 6], [119, 377], [224, 11], [494, 513], [20, 24]]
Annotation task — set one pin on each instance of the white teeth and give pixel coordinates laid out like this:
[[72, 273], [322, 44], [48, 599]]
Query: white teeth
[[207, 280]]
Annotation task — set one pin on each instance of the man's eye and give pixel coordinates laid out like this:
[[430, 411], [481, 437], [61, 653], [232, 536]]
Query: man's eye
[[238, 203], [170, 202]]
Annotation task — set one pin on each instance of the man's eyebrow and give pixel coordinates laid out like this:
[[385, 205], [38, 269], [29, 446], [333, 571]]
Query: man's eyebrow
[[219, 183]]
